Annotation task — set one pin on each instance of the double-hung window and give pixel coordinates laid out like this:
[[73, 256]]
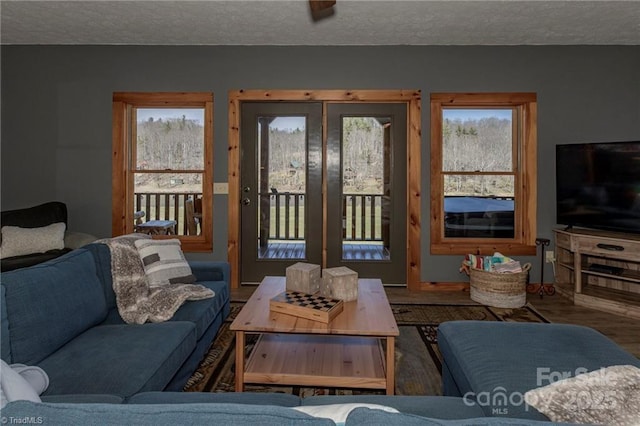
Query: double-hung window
[[483, 173], [163, 166]]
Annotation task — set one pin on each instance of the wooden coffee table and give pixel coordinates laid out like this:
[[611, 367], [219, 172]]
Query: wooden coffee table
[[355, 350]]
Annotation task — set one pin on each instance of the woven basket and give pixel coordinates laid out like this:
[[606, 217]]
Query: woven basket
[[501, 290]]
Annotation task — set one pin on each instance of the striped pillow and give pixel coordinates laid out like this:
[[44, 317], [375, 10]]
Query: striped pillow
[[164, 263]]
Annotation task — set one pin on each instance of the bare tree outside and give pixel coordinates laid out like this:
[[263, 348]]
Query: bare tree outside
[[169, 139], [287, 154], [362, 156], [168, 161], [285, 158], [477, 153]]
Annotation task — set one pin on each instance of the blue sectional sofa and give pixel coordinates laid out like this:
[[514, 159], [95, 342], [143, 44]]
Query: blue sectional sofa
[[61, 315], [168, 408]]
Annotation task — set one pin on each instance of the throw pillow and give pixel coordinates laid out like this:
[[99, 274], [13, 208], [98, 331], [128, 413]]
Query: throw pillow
[[18, 241], [606, 396], [163, 262], [339, 412]]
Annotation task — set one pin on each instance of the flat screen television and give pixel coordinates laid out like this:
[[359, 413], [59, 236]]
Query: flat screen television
[[598, 185]]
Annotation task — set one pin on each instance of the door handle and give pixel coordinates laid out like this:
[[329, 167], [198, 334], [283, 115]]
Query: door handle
[[246, 201]]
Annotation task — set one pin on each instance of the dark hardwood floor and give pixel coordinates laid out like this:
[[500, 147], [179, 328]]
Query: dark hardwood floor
[[557, 309]]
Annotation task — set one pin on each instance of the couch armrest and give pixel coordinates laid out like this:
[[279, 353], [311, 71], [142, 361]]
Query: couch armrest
[[205, 270], [74, 240]]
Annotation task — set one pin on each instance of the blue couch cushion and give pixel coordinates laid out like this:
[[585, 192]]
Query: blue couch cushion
[[495, 363], [120, 359], [5, 347], [439, 407], [75, 398], [51, 303], [206, 270], [102, 259], [258, 398], [164, 414], [202, 348], [200, 312]]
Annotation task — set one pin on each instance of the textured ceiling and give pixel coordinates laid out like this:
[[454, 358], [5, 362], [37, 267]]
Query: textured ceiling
[[355, 22]]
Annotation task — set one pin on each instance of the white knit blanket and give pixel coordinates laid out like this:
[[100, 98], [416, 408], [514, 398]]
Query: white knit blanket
[[21, 382], [137, 302]]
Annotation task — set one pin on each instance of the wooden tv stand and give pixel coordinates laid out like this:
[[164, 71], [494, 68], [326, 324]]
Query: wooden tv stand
[[599, 270]]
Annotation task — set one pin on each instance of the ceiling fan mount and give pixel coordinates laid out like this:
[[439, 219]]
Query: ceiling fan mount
[[321, 9]]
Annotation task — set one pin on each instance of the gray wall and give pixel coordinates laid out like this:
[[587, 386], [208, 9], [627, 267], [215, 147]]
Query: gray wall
[[56, 109]]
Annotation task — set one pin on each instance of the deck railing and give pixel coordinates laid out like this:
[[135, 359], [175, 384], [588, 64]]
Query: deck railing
[[282, 217], [165, 206], [283, 214], [364, 217]]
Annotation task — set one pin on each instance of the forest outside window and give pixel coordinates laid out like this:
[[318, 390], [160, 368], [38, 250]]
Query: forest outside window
[[162, 166], [483, 173]]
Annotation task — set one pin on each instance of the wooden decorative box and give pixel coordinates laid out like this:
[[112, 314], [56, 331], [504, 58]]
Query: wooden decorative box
[[340, 283], [310, 306], [304, 277]]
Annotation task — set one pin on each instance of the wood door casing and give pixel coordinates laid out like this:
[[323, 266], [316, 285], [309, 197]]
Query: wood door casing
[[411, 97]]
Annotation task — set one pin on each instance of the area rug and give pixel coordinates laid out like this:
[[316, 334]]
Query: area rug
[[418, 360]]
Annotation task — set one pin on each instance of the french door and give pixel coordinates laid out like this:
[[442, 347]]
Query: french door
[[333, 196], [281, 187]]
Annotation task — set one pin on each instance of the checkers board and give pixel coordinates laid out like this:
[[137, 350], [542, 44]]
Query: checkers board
[[310, 306]]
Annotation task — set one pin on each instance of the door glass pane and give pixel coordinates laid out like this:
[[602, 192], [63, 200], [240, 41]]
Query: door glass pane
[[366, 188], [282, 181], [479, 206]]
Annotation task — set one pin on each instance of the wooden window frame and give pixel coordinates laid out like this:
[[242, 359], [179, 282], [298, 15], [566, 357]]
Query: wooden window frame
[[122, 161], [525, 168]]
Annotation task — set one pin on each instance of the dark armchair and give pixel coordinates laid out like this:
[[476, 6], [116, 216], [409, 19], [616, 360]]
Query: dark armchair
[[38, 217]]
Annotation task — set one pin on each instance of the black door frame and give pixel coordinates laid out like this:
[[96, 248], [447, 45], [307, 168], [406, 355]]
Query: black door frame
[[390, 271], [252, 112]]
